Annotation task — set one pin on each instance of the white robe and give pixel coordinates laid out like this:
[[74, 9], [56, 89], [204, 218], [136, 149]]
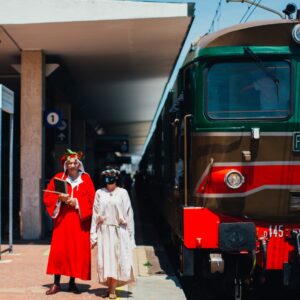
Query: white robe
[[113, 230]]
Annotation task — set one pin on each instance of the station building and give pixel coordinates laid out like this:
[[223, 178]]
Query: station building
[[86, 75]]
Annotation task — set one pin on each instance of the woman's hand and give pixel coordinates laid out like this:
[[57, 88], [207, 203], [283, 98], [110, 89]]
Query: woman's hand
[[122, 222], [100, 220], [93, 245]]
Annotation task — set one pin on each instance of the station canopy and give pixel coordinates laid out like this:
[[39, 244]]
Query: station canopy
[[119, 54]]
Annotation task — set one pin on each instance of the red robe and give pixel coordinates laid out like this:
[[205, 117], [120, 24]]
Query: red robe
[[70, 252]]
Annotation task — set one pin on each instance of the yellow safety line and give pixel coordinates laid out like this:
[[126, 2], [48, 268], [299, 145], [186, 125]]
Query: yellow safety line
[[46, 253], [5, 261], [118, 289]]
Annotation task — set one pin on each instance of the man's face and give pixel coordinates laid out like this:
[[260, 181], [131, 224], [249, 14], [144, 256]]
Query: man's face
[[73, 165]]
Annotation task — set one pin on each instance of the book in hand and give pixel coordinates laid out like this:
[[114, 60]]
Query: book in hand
[[60, 186]]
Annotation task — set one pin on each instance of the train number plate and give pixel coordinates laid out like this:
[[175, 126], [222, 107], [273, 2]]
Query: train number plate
[[274, 231]]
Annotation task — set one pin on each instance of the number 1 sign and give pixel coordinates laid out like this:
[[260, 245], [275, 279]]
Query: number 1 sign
[[52, 118]]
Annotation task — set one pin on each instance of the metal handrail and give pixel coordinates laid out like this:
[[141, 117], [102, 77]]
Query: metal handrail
[[185, 160]]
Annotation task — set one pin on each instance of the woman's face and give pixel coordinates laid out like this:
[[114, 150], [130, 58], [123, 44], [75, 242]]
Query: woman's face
[[111, 186], [73, 167]]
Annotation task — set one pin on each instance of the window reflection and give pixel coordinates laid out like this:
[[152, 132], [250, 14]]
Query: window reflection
[[244, 90]]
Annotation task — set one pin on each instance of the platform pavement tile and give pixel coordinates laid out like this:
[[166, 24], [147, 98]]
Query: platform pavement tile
[[24, 278]]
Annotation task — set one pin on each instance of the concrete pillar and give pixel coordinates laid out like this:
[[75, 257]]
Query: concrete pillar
[[32, 101]]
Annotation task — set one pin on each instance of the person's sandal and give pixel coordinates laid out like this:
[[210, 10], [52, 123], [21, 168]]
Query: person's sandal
[[112, 296]]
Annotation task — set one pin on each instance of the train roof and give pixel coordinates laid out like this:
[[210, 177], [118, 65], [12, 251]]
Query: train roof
[[258, 33]]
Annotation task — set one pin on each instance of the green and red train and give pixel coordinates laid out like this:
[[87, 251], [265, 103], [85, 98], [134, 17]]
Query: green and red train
[[237, 205]]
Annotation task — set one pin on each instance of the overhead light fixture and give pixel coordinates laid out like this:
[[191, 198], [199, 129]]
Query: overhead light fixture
[[99, 129]]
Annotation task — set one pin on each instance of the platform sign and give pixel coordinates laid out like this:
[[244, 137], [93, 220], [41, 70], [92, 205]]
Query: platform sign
[[6, 99], [62, 132], [296, 142], [52, 117]]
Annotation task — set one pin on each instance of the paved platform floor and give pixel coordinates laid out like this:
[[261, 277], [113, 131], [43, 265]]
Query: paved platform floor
[[22, 276]]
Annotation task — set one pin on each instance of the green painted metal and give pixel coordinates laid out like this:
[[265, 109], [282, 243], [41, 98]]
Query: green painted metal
[[213, 52], [200, 61]]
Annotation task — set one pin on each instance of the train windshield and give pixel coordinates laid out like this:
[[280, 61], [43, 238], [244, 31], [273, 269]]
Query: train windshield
[[248, 90]]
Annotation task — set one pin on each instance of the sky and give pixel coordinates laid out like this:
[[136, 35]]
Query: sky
[[229, 14]]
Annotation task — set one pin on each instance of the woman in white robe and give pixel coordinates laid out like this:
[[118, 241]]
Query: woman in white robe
[[112, 230]]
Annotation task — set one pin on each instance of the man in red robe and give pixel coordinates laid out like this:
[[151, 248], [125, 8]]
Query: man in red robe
[[70, 252]]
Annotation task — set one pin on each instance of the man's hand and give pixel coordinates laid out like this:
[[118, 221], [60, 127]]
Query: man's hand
[[63, 197], [71, 201]]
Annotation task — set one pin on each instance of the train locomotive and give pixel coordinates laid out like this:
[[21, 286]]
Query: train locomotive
[[226, 177]]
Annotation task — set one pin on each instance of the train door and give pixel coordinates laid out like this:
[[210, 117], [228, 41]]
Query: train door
[[183, 139], [186, 130], [181, 120]]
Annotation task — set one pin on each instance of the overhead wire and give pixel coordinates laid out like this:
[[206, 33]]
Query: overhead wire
[[216, 17], [246, 12], [245, 17], [249, 12], [255, 6]]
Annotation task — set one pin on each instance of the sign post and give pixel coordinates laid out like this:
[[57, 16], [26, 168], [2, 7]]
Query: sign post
[[7, 105]]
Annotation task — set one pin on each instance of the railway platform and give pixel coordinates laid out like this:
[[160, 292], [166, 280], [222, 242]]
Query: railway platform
[[22, 273], [22, 276]]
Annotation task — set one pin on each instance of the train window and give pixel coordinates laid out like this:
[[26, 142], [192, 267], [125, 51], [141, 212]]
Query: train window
[[248, 90]]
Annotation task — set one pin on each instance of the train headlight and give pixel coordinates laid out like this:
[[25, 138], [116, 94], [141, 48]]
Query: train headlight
[[234, 179], [296, 33]]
